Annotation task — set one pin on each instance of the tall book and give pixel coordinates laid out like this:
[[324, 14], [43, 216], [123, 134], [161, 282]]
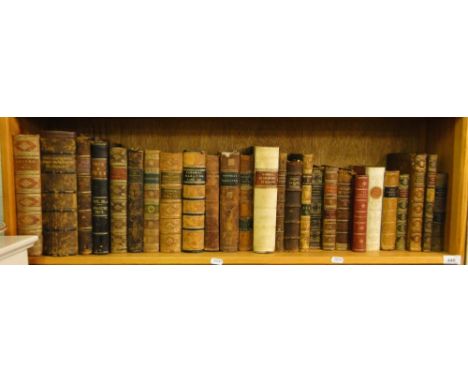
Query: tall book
[[374, 207], [83, 175], [59, 188], [2, 215], [212, 203], [193, 196], [151, 201], [281, 200], [343, 210], [170, 207], [292, 210], [118, 175], [389, 210], [135, 206], [438, 223], [361, 199], [402, 212], [246, 203], [316, 208], [229, 201], [330, 200], [100, 196], [265, 198], [306, 201], [429, 201], [27, 153]]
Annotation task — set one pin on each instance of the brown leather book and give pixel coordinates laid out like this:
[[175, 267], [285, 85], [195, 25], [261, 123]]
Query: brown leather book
[[212, 203], [281, 201], [135, 207], [389, 210], [416, 202], [193, 196], [246, 203], [170, 207], [361, 197], [438, 223], [229, 201], [59, 188], [316, 208], [151, 201], [306, 201], [344, 210], [402, 212], [118, 177], [85, 216], [27, 153], [292, 213], [429, 201], [330, 199]]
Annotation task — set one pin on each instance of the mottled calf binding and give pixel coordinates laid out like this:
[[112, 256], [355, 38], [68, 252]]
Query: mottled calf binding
[[212, 203], [390, 210], [118, 198], [292, 212], [229, 201], [306, 202], [246, 203], [281, 201], [416, 201], [151, 201], [135, 208], [330, 200]]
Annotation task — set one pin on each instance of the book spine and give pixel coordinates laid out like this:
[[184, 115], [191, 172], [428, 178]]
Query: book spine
[[343, 211], [281, 202], [170, 213], [118, 177], [292, 212], [429, 201], [416, 202], [374, 208], [330, 200], [85, 215], [402, 212], [265, 198], [59, 188], [151, 201], [361, 198], [193, 195], [438, 223], [100, 196], [229, 201], [389, 210], [246, 203], [27, 154], [306, 202], [2, 212], [212, 203], [316, 208], [135, 206]]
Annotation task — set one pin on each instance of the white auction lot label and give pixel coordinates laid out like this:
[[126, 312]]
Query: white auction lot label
[[216, 261], [452, 259], [337, 260]]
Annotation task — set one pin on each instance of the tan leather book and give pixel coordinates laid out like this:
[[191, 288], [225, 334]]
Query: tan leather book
[[212, 203], [416, 201], [281, 202], [246, 203], [330, 196], [389, 210], [170, 212], [151, 201], [193, 196], [265, 198], [118, 177], [429, 201], [306, 201], [229, 201]]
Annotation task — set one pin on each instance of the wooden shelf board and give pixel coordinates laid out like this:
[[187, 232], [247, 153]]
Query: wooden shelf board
[[310, 257]]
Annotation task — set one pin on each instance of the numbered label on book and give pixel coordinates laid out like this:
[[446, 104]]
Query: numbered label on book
[[452, 259]]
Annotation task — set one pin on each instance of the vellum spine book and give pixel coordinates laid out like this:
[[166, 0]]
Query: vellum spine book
[[374, 209], [281, 201], [229, 201], [292, 211], [343, 211], [390, 210], [402, 212], [151, 201], [118, 198], [429, 201], [306, 202], [316, 208], [212, 203], [246, 203], [330, 199]]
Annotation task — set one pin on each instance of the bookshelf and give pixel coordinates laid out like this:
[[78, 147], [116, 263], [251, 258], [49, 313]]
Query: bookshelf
[[334, 141]]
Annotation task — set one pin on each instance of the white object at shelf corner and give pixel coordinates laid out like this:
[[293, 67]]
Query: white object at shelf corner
[[14, 249]]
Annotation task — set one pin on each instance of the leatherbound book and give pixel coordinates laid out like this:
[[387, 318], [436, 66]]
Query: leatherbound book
[[374, 207], [402, 212], [100, 196], [193, 196], [429, 201], [212, 203], [83, 175], [135, 206], [316, 208], [2, 212], [306, 201], [343, 210], [246, 203], [27, 157], [59, 188], [292, 211], [265, 198], [416, 202], [118, 175], [438, 223], [389, 210], [361, 198], [151, 201], [229, 201], [170, 204], [281, 200], [330, 200]]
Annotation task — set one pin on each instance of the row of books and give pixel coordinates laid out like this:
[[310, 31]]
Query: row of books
[[82, 195]]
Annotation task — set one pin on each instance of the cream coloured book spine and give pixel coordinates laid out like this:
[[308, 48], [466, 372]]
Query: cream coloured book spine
[[374, 210]]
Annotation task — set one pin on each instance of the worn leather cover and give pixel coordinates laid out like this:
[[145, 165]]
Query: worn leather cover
[[316, 208], [330, 199], [361, 197], [416, 202], [135, 207], [292, 214], [429, 201], [344, 210], [151, 201], [281, 201], [389, 210], [374, 208], [402, 212], [118, 174], [246, 203], [229, 201], [306, 202], [438, 223], [212, 203]]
